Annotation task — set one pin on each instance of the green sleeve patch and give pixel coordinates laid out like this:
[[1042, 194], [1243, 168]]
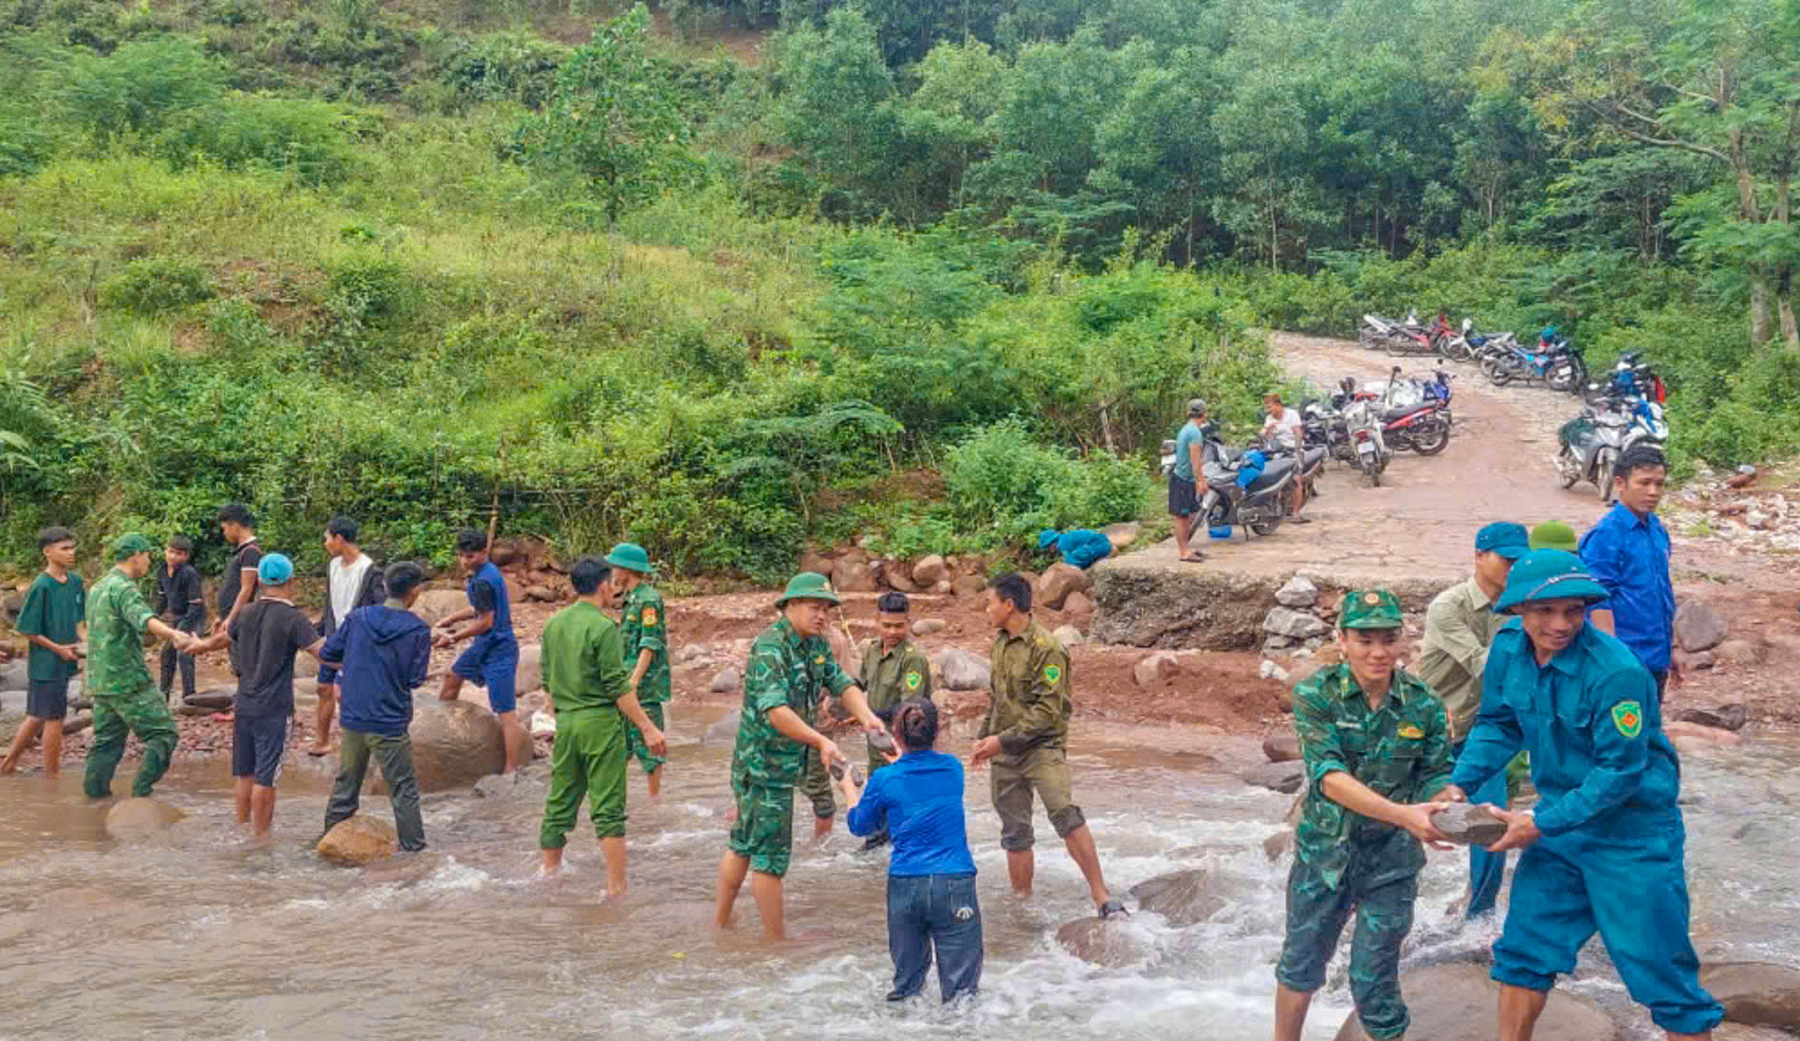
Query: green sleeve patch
[[1052, 673], [1628, 716]]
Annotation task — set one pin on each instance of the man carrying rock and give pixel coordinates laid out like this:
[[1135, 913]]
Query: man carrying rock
[[1459, 626], [893, 670], [646, 633], [790, 668], [1187, 485], [1603, 846], [126, 699], [1025, 735], [1376, 744], [1628, 553], [584, 670], [381, 654]]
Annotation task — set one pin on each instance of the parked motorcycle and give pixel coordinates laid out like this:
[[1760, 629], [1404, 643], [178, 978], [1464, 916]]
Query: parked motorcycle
[[1257, 504], [1422, 426], [1362, 427], [1468, 345], [1592, 442], [1560, 366]]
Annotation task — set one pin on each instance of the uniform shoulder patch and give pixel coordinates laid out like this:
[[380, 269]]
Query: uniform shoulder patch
[[1410, 731], [1053, 673], [913, 679], [649, 616], [1628, 716]]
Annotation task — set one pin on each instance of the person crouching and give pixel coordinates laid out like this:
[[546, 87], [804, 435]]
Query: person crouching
[[931, 877]]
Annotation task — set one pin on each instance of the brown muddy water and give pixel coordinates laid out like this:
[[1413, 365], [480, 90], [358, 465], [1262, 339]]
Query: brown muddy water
[[195, 936]]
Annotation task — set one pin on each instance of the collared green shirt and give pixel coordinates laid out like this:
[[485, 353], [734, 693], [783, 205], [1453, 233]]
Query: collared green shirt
[[647, 628], [583, 657], [1400, 750], [1459, 627], [1030, 680], [116, 618], [888, 678], [784, 670]]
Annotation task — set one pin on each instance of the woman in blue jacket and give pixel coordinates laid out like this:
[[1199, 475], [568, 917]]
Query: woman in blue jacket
[[931, 878]]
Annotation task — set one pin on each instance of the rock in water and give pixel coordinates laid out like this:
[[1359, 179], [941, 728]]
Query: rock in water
[[1286, 778], [358, 841], [1111, 942], [963, 671], [16, 674], [1299, 592], [1724, 717], [455, 744], [1295, 625], [724, 730], [1278, 844], [1756, 994], [1469, 824], [1282, 747], [1185, 897], [136, 818], [1699, 627], [726, 680], [1456, 1002], [1058, 582]]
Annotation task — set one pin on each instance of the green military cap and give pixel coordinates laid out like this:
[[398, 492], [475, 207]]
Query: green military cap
[[1370, 609], [808, 585], [631, 557], [1554, 535], [130, 545]]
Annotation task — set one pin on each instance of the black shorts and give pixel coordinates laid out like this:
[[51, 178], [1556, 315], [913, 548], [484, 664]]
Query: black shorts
[[256, 748], [47, 699], [1183, 500]]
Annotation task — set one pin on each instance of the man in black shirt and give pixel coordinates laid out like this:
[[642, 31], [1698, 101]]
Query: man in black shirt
[[179, 603], [237, 586], [267, 635]]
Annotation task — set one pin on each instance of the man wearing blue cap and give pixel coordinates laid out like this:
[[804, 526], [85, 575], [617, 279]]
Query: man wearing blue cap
[[1603, 846], [265, 637], [1459, 626]]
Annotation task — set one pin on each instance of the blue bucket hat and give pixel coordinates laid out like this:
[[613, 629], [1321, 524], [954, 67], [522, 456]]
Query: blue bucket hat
[[274, 569], [1505, 538], [1548, 574]]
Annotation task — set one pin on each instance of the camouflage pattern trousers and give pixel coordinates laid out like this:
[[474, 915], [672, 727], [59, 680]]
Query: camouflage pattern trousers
[[118, 715], [1382, 900]]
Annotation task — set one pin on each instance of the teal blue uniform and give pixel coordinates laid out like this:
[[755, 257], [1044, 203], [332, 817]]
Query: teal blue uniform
[[1610, 859]]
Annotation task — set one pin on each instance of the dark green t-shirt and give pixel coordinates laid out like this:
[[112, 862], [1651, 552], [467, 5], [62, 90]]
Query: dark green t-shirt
[[52, 610]]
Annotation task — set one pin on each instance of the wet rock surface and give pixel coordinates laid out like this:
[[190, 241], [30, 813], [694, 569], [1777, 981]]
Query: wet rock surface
[[1469, 824], [1757, 994], [358, 841], [138, 818], [1457, 1002]]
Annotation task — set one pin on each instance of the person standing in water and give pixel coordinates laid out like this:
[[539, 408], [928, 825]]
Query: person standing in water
[[492, 657], [893, 670], [646, 634], [351, 581], [931, 904]]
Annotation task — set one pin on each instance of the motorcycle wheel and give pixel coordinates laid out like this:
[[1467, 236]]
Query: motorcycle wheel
[[1563, 379], [1432, 439], [1568, 467], [1266, 526], [1501, 374], [1603, 475], [1371, 470], [1367, 339], [1458, 351]]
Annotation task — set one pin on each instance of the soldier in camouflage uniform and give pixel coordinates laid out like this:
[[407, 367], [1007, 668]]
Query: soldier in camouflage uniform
[[126, 700], [1376, 743], [893, 670], [646, 632], [1025, 735], [790, 669]]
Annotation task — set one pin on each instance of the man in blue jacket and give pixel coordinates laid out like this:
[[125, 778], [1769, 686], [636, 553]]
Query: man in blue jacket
[[1628, 553], [1603, 846], [1080, 546], [381, 653]]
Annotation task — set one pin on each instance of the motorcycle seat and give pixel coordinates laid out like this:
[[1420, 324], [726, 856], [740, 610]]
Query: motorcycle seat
[[1278, 468]]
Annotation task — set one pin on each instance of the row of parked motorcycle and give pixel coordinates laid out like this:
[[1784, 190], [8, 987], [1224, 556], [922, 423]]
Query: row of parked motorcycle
[[1361, 426], [1623, 410]]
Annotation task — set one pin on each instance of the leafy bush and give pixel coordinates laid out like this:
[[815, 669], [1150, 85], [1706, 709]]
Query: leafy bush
[[308, 137], [139, 87], [158, 283], [1005, 486]]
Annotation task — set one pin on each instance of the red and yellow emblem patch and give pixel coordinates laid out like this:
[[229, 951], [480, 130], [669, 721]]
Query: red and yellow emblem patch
[[649, 616], [1628, 716], [1410, 731]]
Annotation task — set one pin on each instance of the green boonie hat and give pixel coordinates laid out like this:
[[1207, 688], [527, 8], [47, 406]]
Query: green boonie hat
[[630, 556], [130, 545], [808, 585], [1554, 535], [1370, 609], [1548, 574]]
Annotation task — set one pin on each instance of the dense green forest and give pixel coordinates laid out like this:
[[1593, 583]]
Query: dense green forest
[[730, 278]]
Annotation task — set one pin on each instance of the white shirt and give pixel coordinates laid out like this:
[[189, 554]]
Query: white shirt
[[1285, 428], [346, 583]]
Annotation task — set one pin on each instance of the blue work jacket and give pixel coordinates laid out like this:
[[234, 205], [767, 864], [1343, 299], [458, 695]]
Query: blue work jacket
[[1629, 555]]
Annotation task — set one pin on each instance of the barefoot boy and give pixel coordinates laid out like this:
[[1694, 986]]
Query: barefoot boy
[[492, 658], [52, 621]]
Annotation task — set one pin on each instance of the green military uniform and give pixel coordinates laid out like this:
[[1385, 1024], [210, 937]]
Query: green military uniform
[[1345, 862], [783, 670], [888, 678], [584, 670], [125, 698], [646, 628], [1030, 715]]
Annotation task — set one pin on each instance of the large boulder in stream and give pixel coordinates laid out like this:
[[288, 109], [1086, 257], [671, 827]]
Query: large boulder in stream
[[1285, 777], [1756, 994], [358, 841], [1186, 897], [434, 605], [139, 818], [1456, 1002], [724, 731], [455, 744], [1111, 942]]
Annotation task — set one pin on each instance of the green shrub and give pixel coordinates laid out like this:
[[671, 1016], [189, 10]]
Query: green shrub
[[310, 138], [1004, 486], [139, 87], [158, 283]]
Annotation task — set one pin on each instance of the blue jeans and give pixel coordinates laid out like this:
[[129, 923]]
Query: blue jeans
[[1486, 870], [926, 911]]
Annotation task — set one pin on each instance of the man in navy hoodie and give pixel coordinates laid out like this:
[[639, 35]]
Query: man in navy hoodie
[[381, 653]]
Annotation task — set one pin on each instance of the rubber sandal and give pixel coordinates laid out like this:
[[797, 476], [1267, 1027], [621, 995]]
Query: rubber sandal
[[1299, 520], [1113, 908], [1194, 558]]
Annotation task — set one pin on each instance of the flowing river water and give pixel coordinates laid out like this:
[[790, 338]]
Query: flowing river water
[[196, 936]]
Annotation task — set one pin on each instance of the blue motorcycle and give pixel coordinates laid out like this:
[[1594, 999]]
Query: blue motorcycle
[[1556, 363]]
